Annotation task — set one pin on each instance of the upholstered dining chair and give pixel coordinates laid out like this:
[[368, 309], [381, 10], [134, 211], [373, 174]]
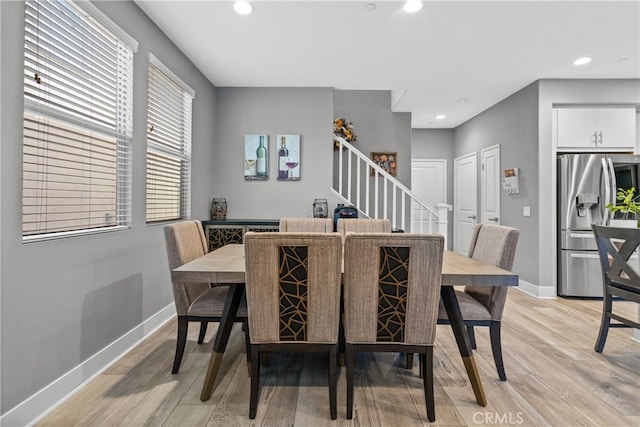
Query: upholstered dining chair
[[306, 225], [293, 294], [357, 225], [363, 225], [391, 294], [619, 278], [195, 302], [484, 305]]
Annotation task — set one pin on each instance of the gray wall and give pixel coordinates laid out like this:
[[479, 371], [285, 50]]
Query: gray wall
[[376, 127], [1, 139], [64, 300], [310, 113], [433, 144], [304, 111], [512, 123]]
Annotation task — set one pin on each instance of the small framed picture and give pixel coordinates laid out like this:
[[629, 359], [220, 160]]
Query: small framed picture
[[386, 160], [256, 157], [288, 157]]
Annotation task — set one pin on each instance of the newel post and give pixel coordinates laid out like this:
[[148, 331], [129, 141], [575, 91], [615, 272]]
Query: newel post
[[442, 221]]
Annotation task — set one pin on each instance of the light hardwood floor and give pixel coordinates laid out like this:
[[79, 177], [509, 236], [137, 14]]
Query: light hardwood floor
[[554, 377]]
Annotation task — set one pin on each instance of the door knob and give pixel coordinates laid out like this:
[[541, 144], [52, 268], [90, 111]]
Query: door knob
[[495, 218], [472, 216]]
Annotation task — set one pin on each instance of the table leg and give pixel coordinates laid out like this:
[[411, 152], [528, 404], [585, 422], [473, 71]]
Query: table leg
[[222, 338], [462, 338]]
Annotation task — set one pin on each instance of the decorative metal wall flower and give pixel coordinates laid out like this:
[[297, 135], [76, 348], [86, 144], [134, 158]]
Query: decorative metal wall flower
[[344, 128]]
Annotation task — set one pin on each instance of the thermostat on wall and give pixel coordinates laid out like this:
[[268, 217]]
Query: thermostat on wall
[[511, 181]]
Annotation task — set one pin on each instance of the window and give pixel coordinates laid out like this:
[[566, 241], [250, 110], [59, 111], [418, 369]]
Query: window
[[168, 145], [77, 121]]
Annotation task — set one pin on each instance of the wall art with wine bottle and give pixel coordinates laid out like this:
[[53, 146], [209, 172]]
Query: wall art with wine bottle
[[288, 157], [256, 157]]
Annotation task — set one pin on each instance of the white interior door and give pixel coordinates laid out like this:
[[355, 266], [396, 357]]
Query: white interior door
[[490, 185], [465, 205], [429, 184]]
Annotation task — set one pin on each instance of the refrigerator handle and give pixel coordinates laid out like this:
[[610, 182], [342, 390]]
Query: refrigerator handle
[[614, 184], [609, 187], [607, 190]]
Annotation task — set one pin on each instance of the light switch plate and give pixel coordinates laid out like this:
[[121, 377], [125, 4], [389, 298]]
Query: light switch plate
[[526, 211]]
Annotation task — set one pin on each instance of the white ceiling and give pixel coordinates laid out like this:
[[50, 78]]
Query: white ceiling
[[478, 51]]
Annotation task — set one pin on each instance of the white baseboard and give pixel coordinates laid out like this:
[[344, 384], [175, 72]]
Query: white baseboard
[[537, 291], [53, 395]]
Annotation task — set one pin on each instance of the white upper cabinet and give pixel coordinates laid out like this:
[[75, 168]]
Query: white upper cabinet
[[596, 129]]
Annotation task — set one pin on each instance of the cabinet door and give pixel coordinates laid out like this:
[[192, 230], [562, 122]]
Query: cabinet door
[[576, 127], [618, 127]]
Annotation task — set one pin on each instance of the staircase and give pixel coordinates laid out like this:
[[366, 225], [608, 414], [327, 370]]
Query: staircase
[[360, 182]]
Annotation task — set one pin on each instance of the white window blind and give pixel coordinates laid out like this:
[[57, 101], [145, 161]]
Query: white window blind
[[77, 121], [168, 145]]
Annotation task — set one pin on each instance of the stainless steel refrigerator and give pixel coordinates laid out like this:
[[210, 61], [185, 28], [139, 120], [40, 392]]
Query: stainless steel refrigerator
[[586, 184]]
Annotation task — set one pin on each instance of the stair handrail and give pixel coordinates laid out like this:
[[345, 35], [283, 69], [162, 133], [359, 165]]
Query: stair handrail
[[397, 185]]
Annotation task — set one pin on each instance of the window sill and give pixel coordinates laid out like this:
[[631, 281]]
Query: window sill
[[68, 234]]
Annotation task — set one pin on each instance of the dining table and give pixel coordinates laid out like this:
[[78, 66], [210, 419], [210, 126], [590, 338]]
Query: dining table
[[225, 266]]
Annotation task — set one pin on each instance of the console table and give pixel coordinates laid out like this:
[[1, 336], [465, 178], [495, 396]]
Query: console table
[[221, 232]]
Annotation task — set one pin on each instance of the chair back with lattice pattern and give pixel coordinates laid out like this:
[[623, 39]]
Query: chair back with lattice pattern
[[293, 286], [392, 287]]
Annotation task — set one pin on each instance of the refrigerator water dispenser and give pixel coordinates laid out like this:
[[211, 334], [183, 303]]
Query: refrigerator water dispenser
[[584, 203]]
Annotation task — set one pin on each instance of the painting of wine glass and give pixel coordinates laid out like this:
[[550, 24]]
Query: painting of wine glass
[[288, 159], [256, 156]]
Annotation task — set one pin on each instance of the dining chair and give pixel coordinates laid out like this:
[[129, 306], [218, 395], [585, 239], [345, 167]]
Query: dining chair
[[195, 302], [484, 305], [619, 276], [306, 225], [364, 225], [391, 294], [303, 225], [357, 225], [293, 293]]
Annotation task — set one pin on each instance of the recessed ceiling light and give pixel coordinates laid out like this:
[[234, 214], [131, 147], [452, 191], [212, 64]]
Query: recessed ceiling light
[[582, 61], [440, 117], [462, 101], [412, 6], [243, 7], [369, 7]]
